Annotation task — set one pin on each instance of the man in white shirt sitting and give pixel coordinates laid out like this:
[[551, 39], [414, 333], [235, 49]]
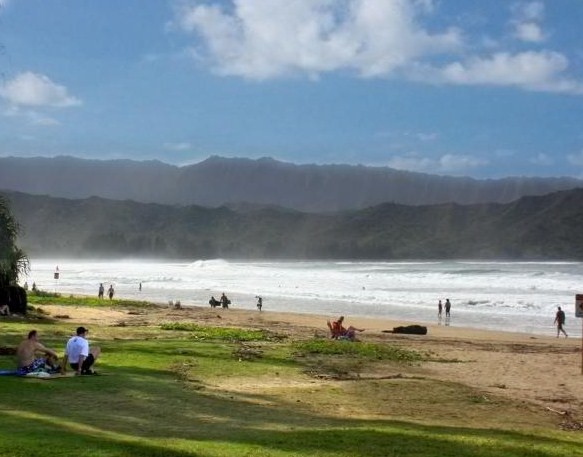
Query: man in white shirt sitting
[[78, 355]]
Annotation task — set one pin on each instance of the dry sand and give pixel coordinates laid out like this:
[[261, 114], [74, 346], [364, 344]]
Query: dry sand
[[542, 370]]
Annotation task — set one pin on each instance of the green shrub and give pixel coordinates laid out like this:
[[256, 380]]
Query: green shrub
[[42, 293], [357, 349], [218, 333]]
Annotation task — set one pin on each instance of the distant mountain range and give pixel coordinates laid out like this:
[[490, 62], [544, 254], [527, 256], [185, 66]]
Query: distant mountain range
[[218, 181], [543, 227]]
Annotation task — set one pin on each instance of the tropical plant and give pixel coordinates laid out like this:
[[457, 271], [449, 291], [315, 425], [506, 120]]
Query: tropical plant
[[13, 261]]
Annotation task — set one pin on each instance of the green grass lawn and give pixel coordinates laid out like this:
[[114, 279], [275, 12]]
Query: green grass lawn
[[184, 390]]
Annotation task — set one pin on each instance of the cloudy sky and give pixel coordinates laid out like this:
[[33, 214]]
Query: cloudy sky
[[460, 87]]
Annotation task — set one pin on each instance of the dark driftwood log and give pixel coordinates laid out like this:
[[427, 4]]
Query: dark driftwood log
[[411, 329]]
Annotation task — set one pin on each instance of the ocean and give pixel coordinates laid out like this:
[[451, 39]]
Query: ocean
[[513, 296]]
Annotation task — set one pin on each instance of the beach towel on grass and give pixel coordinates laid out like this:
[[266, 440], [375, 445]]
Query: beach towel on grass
[[8, 372]]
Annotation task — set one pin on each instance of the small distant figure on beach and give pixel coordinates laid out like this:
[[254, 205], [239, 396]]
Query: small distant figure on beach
[[439, 310], [225, 302], [4, 309], [25, 287], [140, 287], [214, 302], [110, 292], [560, 321], [101, 291], [339, 332], [447, 308], [259, 303]]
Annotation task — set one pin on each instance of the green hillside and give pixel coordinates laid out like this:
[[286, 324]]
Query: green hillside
[[547, 227]]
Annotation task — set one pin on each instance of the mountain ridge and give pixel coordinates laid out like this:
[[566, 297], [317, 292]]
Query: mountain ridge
[[531, 228], [218, 181]]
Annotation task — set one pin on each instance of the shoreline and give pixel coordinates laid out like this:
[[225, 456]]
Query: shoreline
[[498, 296], [378, 324], [372, 325]]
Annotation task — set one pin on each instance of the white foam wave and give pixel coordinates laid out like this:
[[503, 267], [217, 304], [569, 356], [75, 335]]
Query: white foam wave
[[484, 294]]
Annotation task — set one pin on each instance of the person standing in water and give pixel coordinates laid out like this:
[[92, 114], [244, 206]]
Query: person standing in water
[[140, 287], [259, 303], [439, 310], [447, 308]]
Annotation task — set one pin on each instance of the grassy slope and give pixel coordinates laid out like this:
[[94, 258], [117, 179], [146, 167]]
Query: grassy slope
[[195, 392]]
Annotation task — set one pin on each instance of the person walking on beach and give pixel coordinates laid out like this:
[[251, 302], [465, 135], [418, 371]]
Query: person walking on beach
[[225, 302], [259, 303], [101, 291], [439, 310], [560, 321], [447, 307], [110, 292]]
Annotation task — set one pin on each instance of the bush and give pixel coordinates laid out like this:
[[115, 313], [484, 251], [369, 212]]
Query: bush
[[218, 333], [357, 349]]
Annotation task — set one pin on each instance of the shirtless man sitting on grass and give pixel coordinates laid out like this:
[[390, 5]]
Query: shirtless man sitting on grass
[[27, 360]]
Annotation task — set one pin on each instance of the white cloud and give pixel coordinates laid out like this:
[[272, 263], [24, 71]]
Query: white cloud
[[529, 31], [36, 90], [183, 146], [537, 71], [529, 11], [576, 159], [260, 39], [33, 117], [448, 163], [542, 159], [264, 39], [526, 22], [429, 136]]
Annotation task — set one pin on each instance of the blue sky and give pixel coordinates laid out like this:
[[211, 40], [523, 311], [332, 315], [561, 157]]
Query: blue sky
[[458, 87]]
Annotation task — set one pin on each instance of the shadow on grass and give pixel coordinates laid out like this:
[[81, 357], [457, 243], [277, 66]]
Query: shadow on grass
[[149, 411]]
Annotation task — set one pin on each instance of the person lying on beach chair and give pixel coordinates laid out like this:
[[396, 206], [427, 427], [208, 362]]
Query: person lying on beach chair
[[339, 332]]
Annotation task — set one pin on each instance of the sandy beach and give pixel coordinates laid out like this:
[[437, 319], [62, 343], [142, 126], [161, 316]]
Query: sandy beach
[[543, 371]]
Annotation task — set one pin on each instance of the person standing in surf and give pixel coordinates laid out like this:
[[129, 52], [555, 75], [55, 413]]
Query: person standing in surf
[[560, 321]]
